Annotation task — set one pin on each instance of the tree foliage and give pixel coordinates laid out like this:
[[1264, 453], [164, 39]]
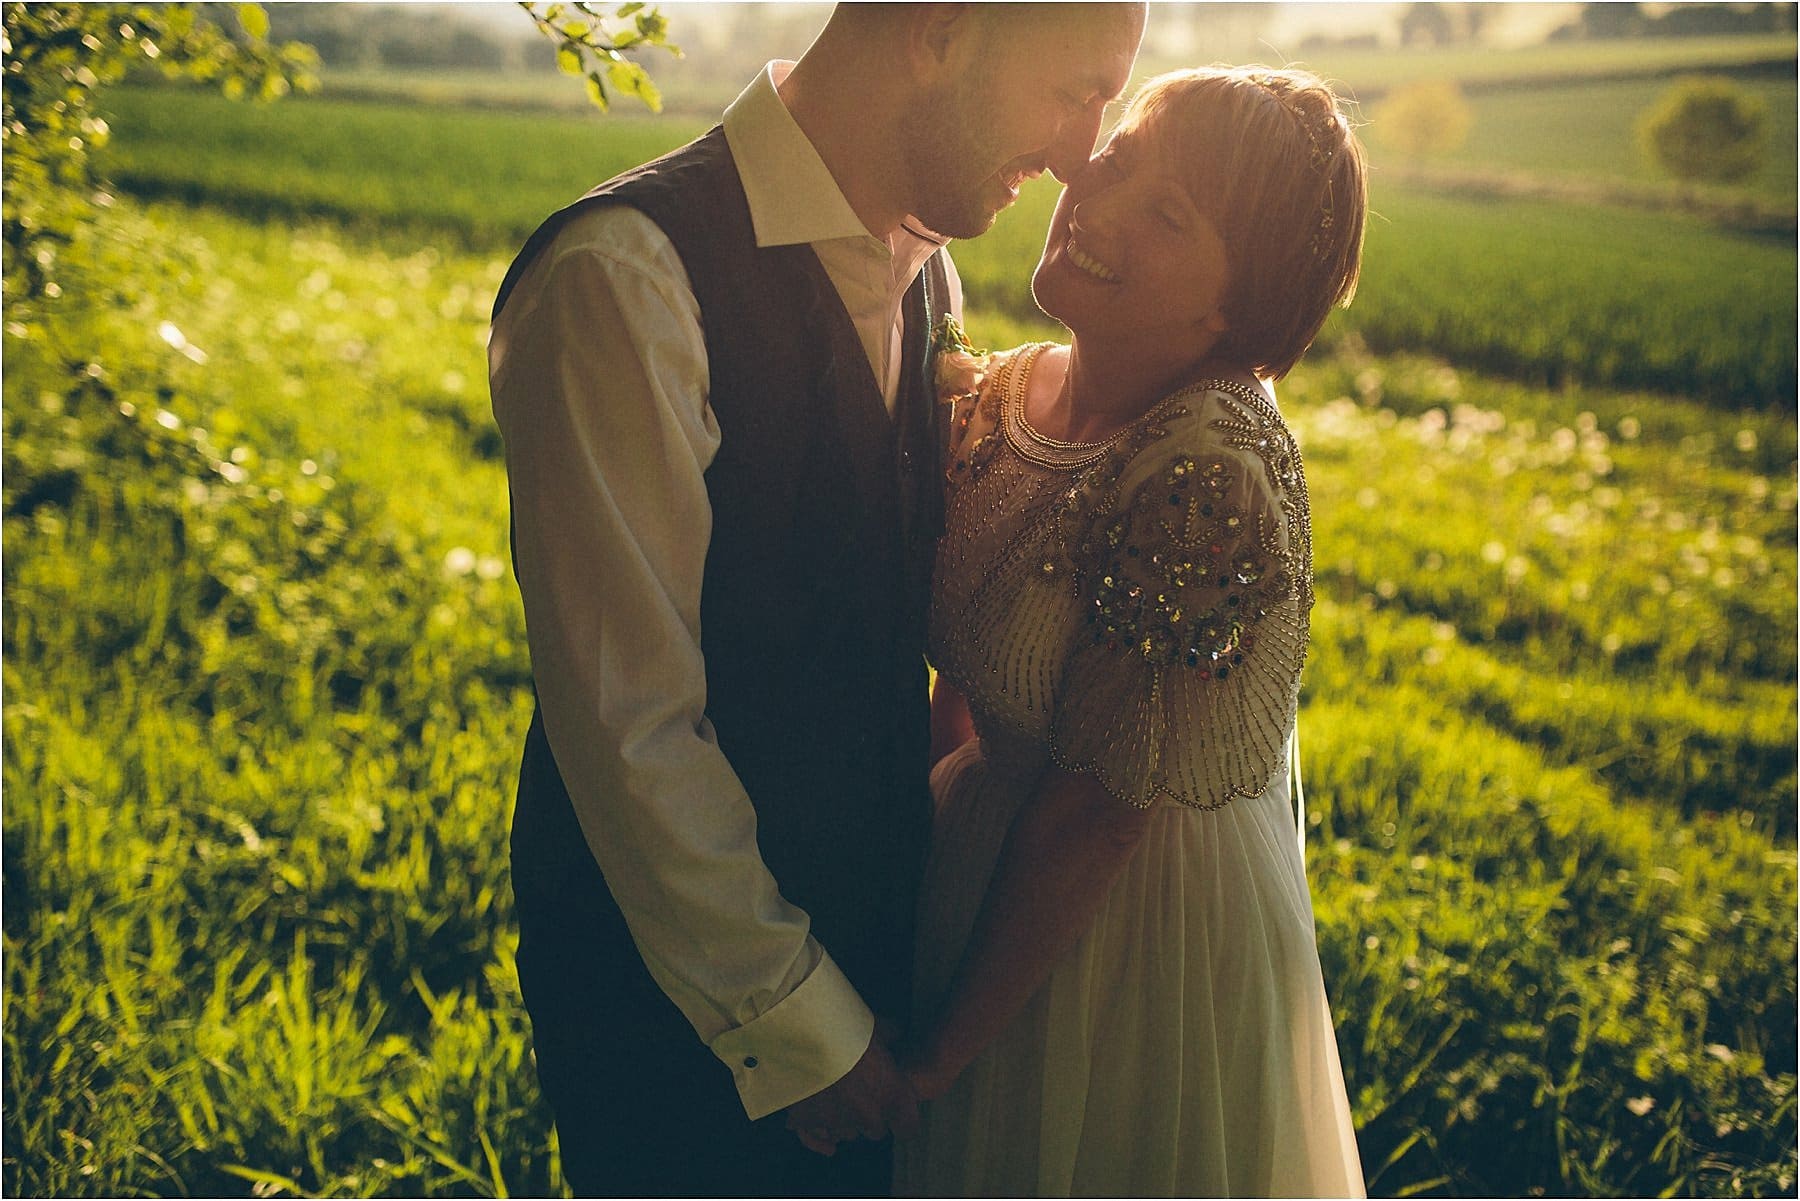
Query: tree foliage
[[1705, 129], [1424, 119], [592, 42], [58, 56]]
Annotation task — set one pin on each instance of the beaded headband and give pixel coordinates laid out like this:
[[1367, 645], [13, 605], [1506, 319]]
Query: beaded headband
[[1321, 130]]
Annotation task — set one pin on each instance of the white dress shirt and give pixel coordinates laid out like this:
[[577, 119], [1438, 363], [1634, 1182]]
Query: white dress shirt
[[598, 370]]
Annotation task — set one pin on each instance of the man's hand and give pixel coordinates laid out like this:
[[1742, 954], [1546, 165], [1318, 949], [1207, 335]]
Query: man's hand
[[871, 1100]]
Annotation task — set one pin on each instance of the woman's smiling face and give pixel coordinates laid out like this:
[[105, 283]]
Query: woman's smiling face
[[1130, 258]]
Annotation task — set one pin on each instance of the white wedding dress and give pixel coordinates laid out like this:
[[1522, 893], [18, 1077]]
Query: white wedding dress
[[1136, 609]]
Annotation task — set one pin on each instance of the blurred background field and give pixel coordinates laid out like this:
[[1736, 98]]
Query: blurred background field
[[266, 676]]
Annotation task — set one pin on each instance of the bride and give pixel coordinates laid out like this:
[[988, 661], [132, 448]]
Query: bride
[[1118, 982]]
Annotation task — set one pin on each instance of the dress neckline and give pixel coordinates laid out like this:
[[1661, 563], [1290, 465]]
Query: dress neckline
[[1044, 451], [1025, 439]]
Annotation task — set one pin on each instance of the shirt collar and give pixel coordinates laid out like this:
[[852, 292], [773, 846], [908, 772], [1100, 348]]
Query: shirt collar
[[793, 197]]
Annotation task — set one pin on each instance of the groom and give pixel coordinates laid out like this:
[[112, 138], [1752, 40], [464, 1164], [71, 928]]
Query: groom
[[712, 377]]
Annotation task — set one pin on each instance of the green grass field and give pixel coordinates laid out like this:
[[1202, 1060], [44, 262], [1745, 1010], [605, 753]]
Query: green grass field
[[1584, 130], [265, 678], [255, 845], [483, 179], [1368, 71], [1544, 291]]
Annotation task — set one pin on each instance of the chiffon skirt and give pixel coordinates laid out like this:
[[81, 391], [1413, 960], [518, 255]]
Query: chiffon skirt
[[1183, 1047]]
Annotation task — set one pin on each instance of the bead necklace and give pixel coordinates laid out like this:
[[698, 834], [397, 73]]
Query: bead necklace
[[1054, 453]]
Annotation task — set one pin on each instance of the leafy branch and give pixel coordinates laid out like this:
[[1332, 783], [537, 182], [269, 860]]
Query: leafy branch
[[58, 56], [593, 42]]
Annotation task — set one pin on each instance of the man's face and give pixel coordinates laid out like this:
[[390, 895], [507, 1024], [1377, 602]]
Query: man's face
[[1033, 102]]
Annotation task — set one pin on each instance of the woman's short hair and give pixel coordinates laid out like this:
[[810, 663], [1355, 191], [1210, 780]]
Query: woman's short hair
[[1270, 157]]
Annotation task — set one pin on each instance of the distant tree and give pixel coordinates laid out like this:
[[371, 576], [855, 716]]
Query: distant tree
[[1432, 24], [1423, 119], [1604, 19], [1475, 20], [1426, 24], [338, 33], [444, 35], [1702, 20], [472, 48], [1705, 128], [406, 45]]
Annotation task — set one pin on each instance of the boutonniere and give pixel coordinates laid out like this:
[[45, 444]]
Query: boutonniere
[[957, 366]]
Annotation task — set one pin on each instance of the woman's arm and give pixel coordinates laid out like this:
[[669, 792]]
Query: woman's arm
[[951, 725], [1065, 848]]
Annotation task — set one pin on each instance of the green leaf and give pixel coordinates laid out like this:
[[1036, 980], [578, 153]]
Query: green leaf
[[254, 20], [575, 30], [568, 60], [627, 10], [629, 77], [597, 92]]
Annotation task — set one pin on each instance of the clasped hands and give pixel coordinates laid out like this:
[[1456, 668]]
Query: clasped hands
[[877, 1097]]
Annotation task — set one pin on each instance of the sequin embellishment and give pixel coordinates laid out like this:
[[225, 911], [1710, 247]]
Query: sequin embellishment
[[1137, 608]]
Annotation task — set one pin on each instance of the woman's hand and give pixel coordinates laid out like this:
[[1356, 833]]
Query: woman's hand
[[951, 724], [1065, 848], [929, 1075]]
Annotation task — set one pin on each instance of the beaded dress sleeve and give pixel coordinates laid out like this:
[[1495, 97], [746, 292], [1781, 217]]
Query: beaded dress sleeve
[[1189, 550]]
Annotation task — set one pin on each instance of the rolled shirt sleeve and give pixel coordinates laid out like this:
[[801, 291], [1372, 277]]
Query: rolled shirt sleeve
[[599, 380]]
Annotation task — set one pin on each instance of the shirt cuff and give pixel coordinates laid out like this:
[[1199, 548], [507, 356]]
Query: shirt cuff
[[809, 1040]]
